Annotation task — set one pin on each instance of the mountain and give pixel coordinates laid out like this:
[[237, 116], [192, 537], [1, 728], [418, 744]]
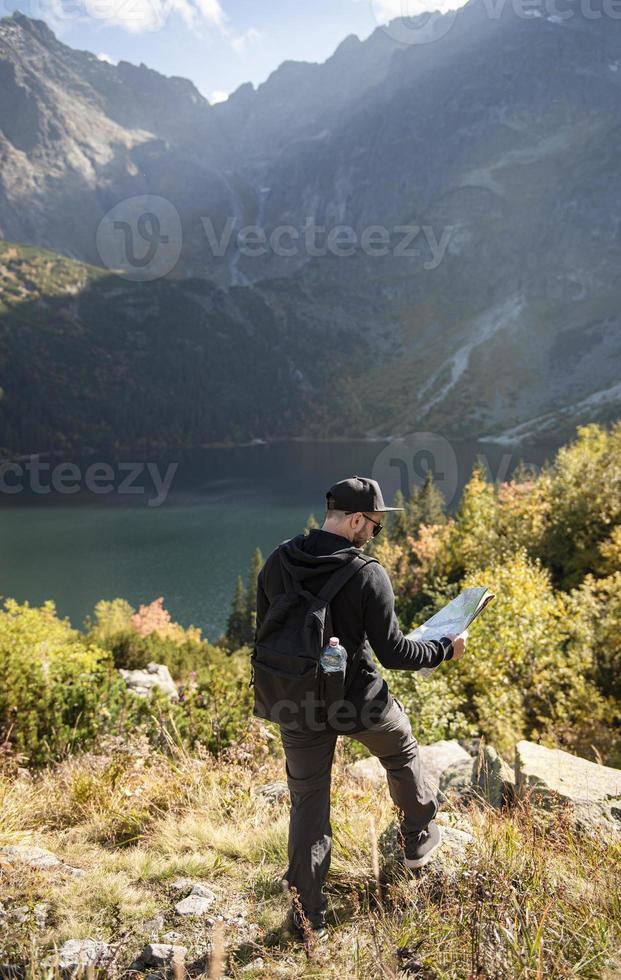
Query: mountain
[[496, 142], [89, 361]]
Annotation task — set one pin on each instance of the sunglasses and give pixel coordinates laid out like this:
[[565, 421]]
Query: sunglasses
[[378, 527]]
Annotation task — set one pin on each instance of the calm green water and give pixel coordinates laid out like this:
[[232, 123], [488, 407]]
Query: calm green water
[[222, 504]]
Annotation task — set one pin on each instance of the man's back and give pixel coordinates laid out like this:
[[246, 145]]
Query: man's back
[[363, 614]]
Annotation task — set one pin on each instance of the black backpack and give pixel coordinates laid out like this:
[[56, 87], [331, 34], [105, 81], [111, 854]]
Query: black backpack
[[289, 686]]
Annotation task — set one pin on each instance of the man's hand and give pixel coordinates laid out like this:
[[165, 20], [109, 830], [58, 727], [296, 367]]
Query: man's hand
[[459, 645]]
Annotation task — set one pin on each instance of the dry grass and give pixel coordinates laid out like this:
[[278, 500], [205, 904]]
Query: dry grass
[[529, 898]]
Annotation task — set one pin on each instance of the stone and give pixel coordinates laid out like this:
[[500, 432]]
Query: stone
[[19, 914], [593, 791], [36, 857], [194, 905], [456, 780], [455, 843], [41, 913], [75, 872], [438, 757], [159, 954], [203, 892], [182, 884], [493, 779], [369, 770], [173, 937], [23, 913], [253, 965], [143, 682], [83, 952], [156, 924], [275, 792]]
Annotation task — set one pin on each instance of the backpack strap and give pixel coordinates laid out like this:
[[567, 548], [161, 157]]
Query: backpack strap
[[340, 578], [334, 585]]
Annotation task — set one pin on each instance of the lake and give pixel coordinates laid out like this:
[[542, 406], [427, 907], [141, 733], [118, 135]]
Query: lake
[[186, 527]]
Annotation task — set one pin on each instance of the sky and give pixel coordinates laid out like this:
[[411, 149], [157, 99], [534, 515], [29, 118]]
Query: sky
[[218, 44]]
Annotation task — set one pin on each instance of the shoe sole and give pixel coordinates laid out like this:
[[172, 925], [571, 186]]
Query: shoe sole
[[415, 863]]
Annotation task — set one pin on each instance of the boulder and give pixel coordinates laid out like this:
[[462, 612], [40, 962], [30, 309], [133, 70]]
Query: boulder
[[182, 884], [77, 953], [456, 780], [275, 792], [594, 791], [435, 760], [154, 925], [493, 779], [36, 857], [195, 905], [143, 682], [159, 954], [369, 770], [438, 757]]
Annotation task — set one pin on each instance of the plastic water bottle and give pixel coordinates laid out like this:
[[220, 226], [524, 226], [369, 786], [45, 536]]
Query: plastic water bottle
[[333, 657]]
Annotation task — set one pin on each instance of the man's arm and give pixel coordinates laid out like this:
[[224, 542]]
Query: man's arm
[[390, 646]]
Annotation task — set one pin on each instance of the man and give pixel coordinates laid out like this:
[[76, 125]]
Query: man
[[363, 617]]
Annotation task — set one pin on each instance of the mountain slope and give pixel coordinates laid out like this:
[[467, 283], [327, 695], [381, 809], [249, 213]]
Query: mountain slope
[[496, 144]]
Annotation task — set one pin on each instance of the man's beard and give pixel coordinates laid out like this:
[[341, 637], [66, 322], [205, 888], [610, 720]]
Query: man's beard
[[359, 539]]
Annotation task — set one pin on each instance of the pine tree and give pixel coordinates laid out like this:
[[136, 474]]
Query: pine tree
[[236, 624], [432, 502], [250, 620]]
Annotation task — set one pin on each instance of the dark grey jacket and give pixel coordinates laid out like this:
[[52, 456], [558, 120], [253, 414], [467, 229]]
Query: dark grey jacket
[[363, 612]]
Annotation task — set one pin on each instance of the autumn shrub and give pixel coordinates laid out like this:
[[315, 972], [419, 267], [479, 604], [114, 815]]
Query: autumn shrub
[[58, 691]]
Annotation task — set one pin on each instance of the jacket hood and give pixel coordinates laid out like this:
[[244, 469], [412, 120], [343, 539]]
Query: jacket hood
[[309, 556]]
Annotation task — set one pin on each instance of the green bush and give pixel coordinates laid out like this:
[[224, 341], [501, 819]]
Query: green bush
[[58, 692]]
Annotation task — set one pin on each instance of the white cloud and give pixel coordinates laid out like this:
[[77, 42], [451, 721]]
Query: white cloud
[[137, 16], [218, 96], [242, 42], [107, 58], [387, 10]]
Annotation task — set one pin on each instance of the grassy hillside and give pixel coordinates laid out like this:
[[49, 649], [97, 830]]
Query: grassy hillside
[[527, 897]]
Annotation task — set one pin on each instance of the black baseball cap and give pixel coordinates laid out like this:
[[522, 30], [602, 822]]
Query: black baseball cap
[[357, 493]]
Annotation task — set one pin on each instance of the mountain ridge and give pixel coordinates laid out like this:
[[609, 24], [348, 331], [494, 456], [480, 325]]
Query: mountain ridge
[[497, 141]]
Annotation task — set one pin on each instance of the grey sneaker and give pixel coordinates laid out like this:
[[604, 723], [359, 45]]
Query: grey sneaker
[[420, 852]]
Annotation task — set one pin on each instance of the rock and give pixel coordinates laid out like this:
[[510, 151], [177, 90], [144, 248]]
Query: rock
[[369, 770], [194, 905], [254, 965], [593, 791], [435, 758], [276, 792], [143, 682], [19, 914], [457, 779], [83, 952], [492, 778], [159, 954], [75, 872], [23, 913], [203, 892], [455, 843], [173, 937], [155, 924], [182, 884], [36, 857], [438, 757]]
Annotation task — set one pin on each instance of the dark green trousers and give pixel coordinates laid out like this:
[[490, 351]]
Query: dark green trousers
[[309, 763]]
